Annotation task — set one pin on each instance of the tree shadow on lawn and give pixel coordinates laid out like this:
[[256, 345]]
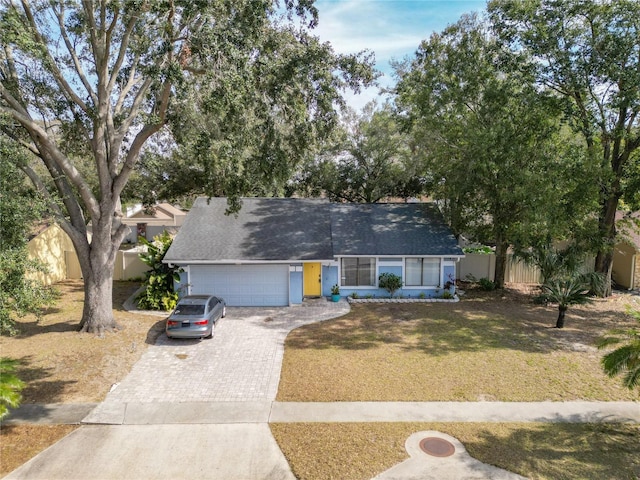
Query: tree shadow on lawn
[[562, 450], [37, 388], [475, 324]]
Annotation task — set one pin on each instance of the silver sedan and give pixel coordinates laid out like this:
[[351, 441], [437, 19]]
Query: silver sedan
[[195, 316]]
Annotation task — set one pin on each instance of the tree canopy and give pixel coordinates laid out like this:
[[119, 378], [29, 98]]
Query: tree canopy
[[20, 211], [488, 139], [367, 160], [84, 86], [587, 52]]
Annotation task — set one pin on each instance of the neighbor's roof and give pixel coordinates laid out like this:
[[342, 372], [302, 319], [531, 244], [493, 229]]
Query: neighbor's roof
[[264, 229], [161, 211], [272, 229]]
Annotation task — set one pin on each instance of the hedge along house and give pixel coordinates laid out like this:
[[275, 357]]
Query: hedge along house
[[277, 251]]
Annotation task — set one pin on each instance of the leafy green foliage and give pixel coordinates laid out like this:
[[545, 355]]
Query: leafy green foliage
[[10, 386], [159, 293], [488, 139], [566, 292], [366, 161], [552, 262], [626, 358], [586, 52], [486, 284], [390, 282], [483, 250], [20, 208], [240, 90]]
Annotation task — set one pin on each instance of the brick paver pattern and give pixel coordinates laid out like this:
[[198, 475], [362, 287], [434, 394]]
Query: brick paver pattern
[[241, 363]]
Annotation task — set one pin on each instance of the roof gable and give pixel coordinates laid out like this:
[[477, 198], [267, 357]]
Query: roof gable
[[295, 229]]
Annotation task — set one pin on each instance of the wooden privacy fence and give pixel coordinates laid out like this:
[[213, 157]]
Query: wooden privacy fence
[[128, 266], [478, 265]]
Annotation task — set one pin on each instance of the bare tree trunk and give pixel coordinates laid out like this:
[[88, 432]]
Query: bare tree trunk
[[97, 315], [501, 263], [607, 224], [97, 260], [562, 310]]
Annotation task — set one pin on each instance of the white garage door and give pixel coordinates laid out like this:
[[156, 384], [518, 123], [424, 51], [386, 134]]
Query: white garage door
[[243, 285]]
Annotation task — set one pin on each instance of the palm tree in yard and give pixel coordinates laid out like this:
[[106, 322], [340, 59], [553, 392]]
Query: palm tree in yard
[[10, 386], [565, 292], [624, 359]]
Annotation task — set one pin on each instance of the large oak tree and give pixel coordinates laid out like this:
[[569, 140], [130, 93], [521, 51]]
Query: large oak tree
[[588, 53], [368, 159], [486, 136], [85, 85]]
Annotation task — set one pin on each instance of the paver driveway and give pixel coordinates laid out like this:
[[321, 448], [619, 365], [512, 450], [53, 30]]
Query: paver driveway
[[241, 363]]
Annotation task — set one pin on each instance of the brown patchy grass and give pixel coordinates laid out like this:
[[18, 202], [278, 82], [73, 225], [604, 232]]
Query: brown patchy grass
[[61, 365], [19, 443], [495, 346], [359, 451]]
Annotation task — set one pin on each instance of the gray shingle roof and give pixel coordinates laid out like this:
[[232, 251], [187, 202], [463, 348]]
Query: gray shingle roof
[[271, 229], [390, 229], [264, 229]]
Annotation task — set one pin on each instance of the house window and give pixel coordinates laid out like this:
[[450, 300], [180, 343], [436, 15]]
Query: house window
[[422, 272], [360, 271]]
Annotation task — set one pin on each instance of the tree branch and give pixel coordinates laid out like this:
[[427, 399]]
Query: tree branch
[[46, 146], [74, 57], [66, 89], [124, 44], [142, 136]]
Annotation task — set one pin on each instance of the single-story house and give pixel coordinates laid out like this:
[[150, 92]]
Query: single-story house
[[626, 253], [276, 251]]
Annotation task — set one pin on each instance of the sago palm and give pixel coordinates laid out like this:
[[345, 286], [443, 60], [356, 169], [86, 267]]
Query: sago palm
[[624, 359], [10, 386], [572, 291]]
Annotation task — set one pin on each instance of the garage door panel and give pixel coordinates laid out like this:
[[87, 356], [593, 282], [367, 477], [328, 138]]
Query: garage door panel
[[243, 285]]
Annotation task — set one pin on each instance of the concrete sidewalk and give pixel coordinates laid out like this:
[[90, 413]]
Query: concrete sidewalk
[[163, 413], [232, 440]]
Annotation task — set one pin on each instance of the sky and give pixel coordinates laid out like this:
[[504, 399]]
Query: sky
[[392, 29]]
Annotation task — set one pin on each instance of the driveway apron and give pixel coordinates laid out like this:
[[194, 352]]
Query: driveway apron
[[240, 364], [189, 408]]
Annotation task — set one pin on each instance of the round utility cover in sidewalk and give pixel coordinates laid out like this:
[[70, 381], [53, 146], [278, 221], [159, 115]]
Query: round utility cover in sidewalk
[[437, 447]]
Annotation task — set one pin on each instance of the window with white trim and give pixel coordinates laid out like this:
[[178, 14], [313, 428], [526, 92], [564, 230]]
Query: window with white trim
[[422, 272], [358, 272]]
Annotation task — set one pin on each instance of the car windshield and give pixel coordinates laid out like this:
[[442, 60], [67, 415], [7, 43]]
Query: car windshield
[[189, 310]]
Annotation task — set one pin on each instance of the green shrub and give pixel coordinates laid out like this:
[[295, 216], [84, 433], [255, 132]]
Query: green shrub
[[10, 386], [483, 249], [390, 282], [447, 295], [158, 293], [486, 284]]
